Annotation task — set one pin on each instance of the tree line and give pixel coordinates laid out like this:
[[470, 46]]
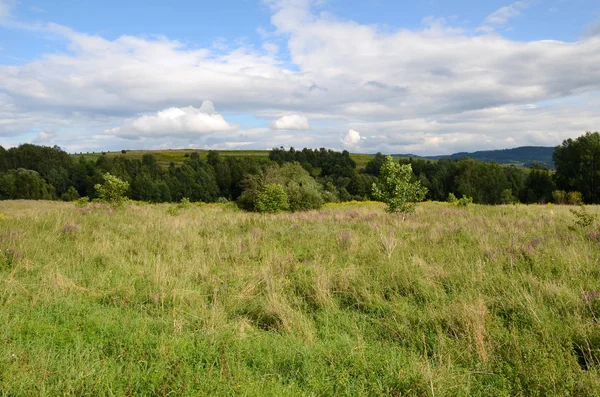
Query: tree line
[[309, 177]]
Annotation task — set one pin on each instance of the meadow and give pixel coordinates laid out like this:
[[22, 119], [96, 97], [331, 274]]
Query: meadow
[[178, 156], [347, 300]]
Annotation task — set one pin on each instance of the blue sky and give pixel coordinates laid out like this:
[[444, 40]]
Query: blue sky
[[425, 77]]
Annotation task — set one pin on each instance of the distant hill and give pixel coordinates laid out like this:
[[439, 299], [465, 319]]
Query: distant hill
[[521, 156]]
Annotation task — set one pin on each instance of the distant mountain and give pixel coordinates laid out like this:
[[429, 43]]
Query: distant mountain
[[522, 156]]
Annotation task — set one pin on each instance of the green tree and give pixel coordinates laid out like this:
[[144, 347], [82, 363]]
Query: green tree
[[578, 166], [396, 188], [112, 191]]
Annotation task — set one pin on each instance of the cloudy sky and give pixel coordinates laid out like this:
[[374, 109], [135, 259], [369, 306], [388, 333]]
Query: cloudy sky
[[431, 77]]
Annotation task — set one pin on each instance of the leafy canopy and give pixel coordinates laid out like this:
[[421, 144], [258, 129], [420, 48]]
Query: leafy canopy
[[396, 189]]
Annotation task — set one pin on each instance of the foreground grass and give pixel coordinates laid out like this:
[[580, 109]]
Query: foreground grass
[[344, 301]]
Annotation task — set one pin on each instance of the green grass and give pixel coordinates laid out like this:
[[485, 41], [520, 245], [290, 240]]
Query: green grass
[[347, 300], [178, 156]]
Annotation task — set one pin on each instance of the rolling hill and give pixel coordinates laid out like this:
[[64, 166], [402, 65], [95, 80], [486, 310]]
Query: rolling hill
[[520, 156]]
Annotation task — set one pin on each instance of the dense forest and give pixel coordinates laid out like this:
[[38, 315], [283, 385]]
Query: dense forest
[[311, 176]]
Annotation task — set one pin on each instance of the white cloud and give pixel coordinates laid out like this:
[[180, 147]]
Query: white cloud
[[290, 122], [411, 89], [44, 138], [174, 121], [351, 139], [6, 7], [502, 15]]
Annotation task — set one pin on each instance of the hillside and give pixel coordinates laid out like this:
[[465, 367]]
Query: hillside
[[177, 156], [520, 156]]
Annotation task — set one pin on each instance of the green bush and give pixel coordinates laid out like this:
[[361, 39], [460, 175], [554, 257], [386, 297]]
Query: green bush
[[464, 201], [112, 191], [452, 198], [559, 196], [70, 195], [574, 198], [507, 197], [301, 190], [82, 202], [273, 198], [184, 203]]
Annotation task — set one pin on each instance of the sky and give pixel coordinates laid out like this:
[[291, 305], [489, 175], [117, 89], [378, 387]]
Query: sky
[[423, 77]]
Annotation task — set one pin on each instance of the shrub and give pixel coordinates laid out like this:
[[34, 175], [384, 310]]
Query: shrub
[[452, 198], [301, 190], [124, 151], [574, 198], [559, 196], [70, 195], [82, 202], [112, 191], [184, 203], [273, 198], [506, 197], [464, 201], [583, 219]]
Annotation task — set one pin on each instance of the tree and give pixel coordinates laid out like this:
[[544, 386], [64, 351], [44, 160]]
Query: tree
[[578, 166], [112, 191], [374, 165], [396, 188], [301, 190]]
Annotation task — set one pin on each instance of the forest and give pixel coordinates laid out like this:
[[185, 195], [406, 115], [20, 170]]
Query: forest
[[315, 176]]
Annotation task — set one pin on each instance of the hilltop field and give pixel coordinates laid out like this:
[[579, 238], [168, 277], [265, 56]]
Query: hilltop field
[[178, 156], [348, 300]]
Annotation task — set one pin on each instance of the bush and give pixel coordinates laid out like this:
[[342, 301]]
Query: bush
[[124, 151], [506, 197], [184, 203], [559, 196], [112, 191], [583, 218], [70, 195], [301, 190], [452, 198], [574, 198], [82, 202], [464, 201], [273, 198]]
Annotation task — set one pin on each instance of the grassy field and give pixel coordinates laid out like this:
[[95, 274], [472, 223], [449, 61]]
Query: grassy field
[[348, 300], [177, 156]]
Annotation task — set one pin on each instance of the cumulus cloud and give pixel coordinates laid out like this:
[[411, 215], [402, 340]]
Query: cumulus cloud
[[351, 139], [419, 80], [290, 122], [174, 121]]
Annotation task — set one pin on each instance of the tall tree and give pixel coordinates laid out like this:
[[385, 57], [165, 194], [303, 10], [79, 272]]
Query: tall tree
[[578, 166]]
